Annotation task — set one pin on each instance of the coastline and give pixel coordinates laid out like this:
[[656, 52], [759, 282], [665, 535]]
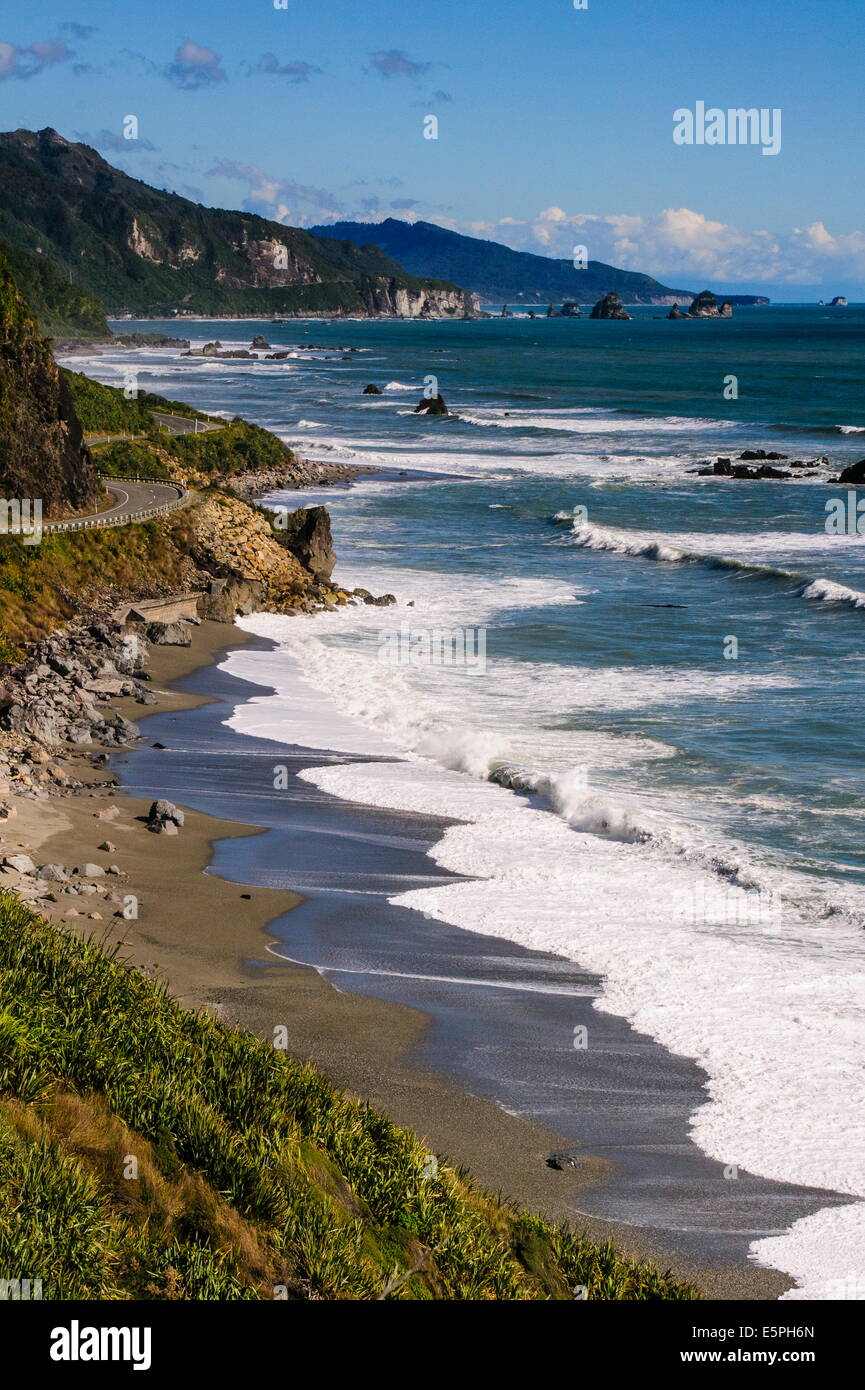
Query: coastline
[[209, 946]]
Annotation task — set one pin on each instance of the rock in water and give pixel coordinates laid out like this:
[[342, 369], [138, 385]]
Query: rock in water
[[372, 390], [854, 474], [570, 309], [610, 307], [675, 313], [705, 306], [259, 342], [435, 405]]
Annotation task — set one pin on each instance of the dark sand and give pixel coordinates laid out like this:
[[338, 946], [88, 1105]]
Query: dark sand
[[207, 938]]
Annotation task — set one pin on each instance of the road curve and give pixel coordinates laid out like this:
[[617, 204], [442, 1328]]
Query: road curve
[[135, 500]]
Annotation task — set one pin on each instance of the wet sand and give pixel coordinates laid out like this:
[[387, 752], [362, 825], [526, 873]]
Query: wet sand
[[221, 945]]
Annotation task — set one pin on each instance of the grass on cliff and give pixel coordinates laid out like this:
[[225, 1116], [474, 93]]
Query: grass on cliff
[[43, 586], [235, 448], [105, 409], [148, 1151]]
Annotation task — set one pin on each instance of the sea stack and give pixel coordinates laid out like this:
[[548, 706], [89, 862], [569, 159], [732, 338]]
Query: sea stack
[[705, 306], [610, 307], [435, 405]]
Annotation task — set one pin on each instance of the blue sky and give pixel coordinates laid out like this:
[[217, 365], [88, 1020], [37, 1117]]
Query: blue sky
[[555, 124]]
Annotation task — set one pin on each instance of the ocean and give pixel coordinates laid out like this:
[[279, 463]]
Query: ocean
[[644, 742]]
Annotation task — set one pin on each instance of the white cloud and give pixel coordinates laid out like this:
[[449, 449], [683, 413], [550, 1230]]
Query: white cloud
[[195, 66], [679, 243], [27, 62]]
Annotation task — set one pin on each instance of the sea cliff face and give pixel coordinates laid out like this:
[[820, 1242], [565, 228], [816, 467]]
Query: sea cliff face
[[42, 450]]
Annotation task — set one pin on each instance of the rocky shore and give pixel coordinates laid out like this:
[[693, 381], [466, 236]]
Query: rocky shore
[[299, 473]]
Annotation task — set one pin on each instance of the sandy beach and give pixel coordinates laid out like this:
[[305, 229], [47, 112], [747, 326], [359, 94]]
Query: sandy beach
[[208, 940]]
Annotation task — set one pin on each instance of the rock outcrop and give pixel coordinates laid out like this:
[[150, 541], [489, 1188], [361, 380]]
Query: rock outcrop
[[433, 405], [855, 473], [372, 390], [42, 451], [230, 540], [307, 534], [675, 313], [570, 309], [610, 307], [728, 468], [705, 306]]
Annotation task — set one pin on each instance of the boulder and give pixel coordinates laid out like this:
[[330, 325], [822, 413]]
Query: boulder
[[570, 309], [372, 390], [169, 634], [854, 474], [90, 871], [54, 873], [675, 313], [383, 600], [164, 818], [610, 307], [259, 342], [21, 863]]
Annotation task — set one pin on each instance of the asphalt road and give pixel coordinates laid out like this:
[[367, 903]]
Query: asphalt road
[[131, 498]]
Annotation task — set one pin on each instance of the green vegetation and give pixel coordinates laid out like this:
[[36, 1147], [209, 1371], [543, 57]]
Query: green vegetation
[[126, 458], [106, 410], [255, 1177], [59, 306], [138, 249], [232, 449], [240, 445], [42, 586]]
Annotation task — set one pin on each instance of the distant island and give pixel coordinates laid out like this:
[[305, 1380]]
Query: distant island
[[499, 275]]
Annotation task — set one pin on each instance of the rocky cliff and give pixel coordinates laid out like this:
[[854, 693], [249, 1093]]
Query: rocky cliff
[[42, 453]]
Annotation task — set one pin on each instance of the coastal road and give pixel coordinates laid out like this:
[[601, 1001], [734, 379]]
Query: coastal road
[[135, 500], [179, 424]]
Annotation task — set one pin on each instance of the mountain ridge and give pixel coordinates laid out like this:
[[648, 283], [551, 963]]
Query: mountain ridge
[[497, 273], [139, 250]]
